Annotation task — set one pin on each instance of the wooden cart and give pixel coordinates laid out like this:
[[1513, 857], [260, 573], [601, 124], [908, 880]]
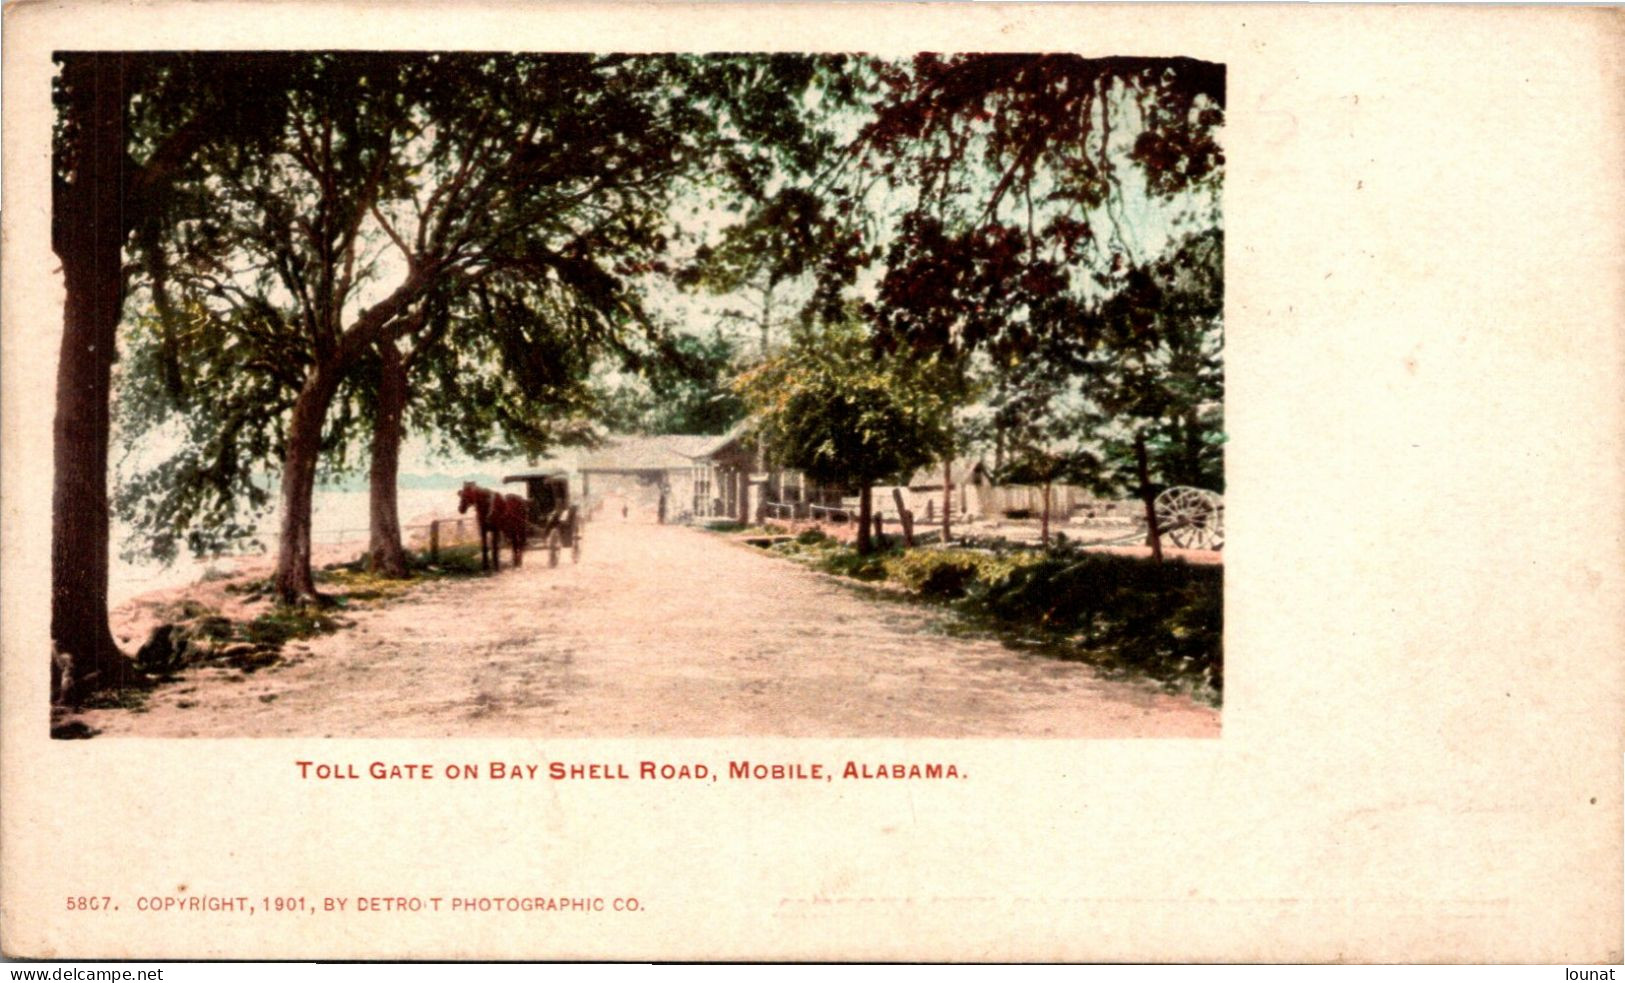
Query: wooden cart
[[554, 522]]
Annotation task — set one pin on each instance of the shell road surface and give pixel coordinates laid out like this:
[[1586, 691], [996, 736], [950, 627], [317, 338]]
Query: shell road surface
[[659, 630]]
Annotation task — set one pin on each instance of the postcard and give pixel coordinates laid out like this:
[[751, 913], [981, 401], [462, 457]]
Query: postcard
[[922, 482]]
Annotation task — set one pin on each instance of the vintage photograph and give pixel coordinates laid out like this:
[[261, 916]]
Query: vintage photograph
[[474, 394], [997, 481]]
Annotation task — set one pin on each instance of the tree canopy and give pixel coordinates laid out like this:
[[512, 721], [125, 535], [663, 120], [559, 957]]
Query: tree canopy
[[1056, 219], [826, 407], [488, 207], [464, 243], [687, 393]]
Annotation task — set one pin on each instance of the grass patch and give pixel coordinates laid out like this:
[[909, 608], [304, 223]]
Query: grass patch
[[214, 627], [352, 583], [261, 585], [1127, 614], [284, 623], [359, 584], [846, 562], [730, 527], [355, 581], [192, 633], [454, 561], [832, 556], [948, 574], [203, 630], [185, 609], [131, 698], [1164, 620]]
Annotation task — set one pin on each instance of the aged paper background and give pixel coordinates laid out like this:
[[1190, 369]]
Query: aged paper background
[[1425, 614]]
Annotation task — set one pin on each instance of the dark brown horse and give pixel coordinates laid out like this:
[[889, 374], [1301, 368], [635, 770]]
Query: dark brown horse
[[498, 516], [514, 522]]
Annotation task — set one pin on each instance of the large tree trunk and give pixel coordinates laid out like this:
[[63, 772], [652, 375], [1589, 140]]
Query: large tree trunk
[[1143, 468], [947, 500], [1043, 524], [866, 543], [88, 237], [294, 583], [385, 555]]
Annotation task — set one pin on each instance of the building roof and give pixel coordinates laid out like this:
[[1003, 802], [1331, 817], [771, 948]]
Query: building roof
[[963, 473], [692, 446], [666, 452], [528, 475]]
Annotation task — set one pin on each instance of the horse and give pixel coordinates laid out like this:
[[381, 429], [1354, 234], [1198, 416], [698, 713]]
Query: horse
[[514, 520], [497, 515]]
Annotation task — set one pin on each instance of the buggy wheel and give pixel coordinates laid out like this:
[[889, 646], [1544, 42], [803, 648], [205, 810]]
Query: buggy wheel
[[1191, 518], [553, 548]]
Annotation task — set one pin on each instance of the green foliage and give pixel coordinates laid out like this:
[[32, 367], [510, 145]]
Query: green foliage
[[287, 622], [167, 651], [454, 561], [687, 392], [826, 407], [1155, 362], [833, 556], [496, 217], [210, 491], [1059, 225], [846, 562], [952, 573], [353, 581], [1021, 173], [1164, 620], [1046, 426], [936, 573]]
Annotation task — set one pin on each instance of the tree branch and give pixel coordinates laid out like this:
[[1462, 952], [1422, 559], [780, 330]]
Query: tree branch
[[411, 259]]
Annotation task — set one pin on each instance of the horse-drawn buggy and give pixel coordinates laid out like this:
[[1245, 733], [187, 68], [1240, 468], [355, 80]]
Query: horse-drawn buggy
[[553, 520], [544, 514]]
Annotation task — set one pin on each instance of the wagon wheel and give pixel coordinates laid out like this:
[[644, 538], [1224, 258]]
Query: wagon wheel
[[1192, 518], [553, 547]]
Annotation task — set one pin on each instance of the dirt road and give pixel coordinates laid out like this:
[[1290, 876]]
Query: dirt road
[[659, 630]]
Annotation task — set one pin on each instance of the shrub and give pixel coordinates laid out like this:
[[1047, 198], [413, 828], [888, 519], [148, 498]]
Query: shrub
[[186, 609], [453, 561], [214, 627], [166, 651], [937, 573], [847, 562], [998, 566], [285, 622], [1165, 620], [1162, 620]]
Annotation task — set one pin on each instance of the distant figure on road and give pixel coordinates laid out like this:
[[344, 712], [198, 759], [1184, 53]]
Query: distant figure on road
[[623, 512]]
